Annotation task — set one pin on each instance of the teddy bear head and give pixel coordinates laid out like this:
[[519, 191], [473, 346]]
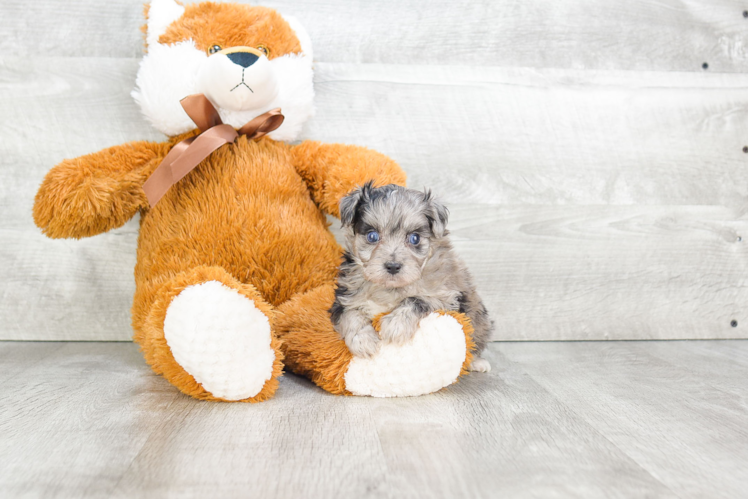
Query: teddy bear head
[[245, 59]]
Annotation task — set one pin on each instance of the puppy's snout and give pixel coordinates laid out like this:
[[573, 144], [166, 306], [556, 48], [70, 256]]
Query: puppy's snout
[[243, 59], [393, 267]]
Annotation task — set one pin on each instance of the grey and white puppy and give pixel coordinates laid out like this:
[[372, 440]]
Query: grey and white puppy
[[399, 258]]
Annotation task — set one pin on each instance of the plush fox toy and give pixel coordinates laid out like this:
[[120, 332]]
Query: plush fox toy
[[236, 266]]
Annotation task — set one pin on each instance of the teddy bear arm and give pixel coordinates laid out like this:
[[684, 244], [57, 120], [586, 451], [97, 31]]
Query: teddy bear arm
[[334, 170], [97, 192]]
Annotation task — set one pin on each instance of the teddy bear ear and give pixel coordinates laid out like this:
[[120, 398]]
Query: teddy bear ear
[[159, 15], [304, 40]]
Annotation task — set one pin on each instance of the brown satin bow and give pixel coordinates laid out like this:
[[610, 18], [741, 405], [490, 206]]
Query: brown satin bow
[[188, 153]]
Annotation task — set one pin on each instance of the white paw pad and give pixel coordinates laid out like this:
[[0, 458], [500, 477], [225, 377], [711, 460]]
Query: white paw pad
[[220, 338], [480, 365], [432, 360]]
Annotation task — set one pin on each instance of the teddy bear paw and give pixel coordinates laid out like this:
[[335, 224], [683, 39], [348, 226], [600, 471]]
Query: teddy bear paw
[[220, 338], [431, 360]]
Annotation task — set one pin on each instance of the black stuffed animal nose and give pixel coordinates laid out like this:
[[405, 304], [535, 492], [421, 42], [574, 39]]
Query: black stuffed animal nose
[[243, 59], [393, 267]]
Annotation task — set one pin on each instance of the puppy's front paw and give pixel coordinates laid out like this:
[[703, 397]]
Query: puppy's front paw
[[480, 365], [398, 328], [364, 343]]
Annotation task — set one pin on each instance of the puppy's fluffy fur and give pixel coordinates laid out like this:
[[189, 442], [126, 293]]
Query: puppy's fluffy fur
[[399, 260]]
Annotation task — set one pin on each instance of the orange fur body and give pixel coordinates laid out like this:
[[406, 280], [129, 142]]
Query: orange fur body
[[250, 216]]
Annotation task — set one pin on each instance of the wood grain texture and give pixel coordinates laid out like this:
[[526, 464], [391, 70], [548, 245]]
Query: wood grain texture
[[666, 35], [550, 420], [608, 272], [72, 423], [93, 421], [589, 205], [18, 357], [524, 136], [626, 393], [726, 372], [63, 289]]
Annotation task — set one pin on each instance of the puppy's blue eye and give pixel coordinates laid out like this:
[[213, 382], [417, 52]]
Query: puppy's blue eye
[[372, 236], [414, 239]]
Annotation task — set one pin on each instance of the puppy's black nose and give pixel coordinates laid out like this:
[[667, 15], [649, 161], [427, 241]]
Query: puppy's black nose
[[243, 59], [392, 267]]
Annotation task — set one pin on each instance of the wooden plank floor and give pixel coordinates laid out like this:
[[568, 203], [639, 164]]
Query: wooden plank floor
[[556, 419]]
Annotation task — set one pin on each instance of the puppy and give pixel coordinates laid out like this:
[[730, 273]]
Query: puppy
[[399, 260]]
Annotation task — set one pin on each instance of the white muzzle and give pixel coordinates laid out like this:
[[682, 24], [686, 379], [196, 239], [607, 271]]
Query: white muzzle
[[238, 79]]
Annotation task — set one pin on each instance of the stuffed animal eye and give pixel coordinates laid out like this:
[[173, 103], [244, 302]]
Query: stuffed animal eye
[[372, 236], [263, 49], [214, 49], [414, 239]]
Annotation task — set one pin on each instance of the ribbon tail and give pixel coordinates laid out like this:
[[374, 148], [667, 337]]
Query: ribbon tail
[[162, 178], [183, 158], [201, 148]]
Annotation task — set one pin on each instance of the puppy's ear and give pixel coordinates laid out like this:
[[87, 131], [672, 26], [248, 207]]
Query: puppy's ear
[[350, 204], [436, 213]]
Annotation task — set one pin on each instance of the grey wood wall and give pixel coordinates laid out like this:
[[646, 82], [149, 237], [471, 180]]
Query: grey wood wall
[[593, 166]]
